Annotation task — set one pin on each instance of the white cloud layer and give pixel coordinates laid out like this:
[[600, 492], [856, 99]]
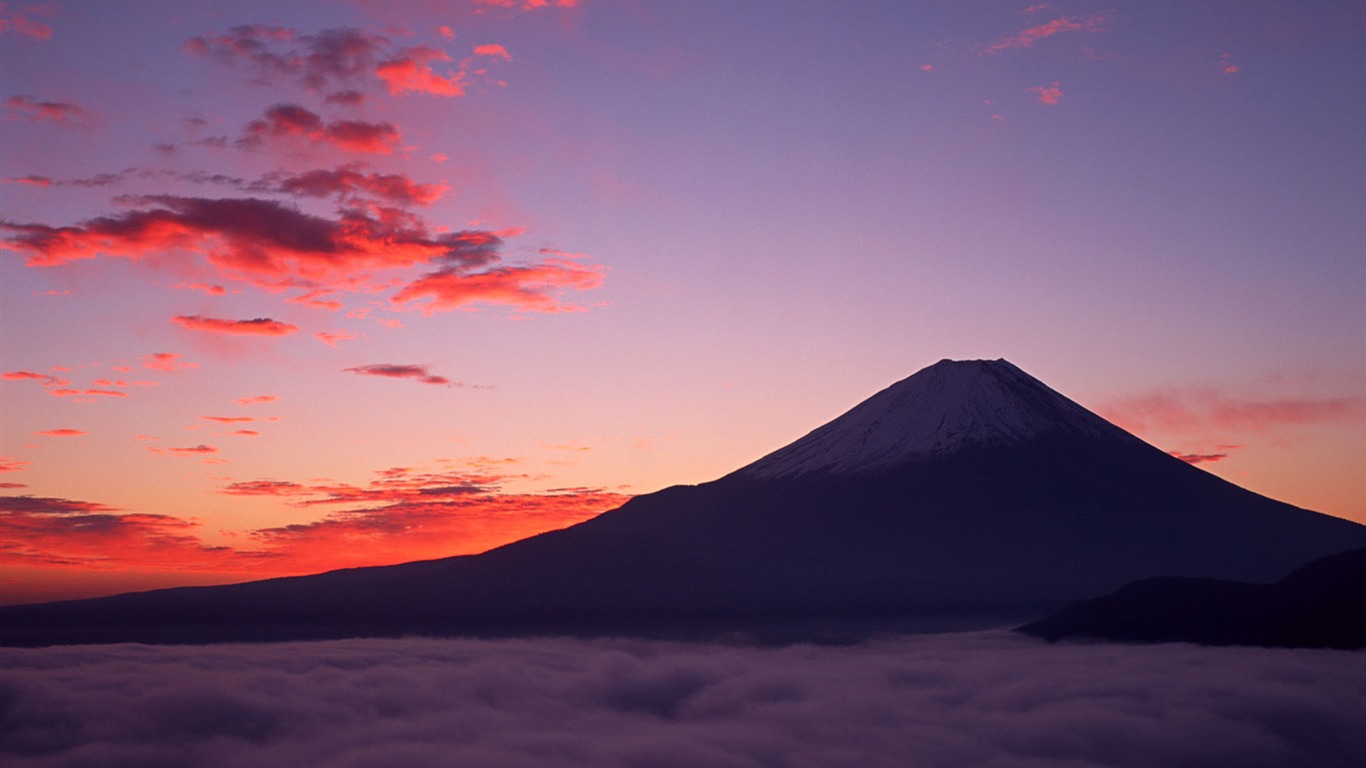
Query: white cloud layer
[[983, 699]]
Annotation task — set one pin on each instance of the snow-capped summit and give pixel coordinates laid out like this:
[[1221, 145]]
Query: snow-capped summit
[[947, 406]]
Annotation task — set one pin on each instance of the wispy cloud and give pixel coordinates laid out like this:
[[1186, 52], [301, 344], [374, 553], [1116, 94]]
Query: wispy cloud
[[257, 400], [1050, 95], [1026, 38], [60, 433], [291, 121], [333, 339], [260, 326], [31, 108], [166, 361], [21, 20], [414, 372]]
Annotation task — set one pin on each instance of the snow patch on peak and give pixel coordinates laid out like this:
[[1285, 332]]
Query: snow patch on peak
[[947, 406]]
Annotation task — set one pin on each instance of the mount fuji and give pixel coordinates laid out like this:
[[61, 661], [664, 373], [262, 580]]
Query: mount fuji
[[967, 495]]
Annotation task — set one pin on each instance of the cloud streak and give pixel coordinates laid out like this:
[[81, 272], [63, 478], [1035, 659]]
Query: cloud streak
[[1026, 38], [387, 370], [275, 246], [260, 326], [947, 700], [35, 110]]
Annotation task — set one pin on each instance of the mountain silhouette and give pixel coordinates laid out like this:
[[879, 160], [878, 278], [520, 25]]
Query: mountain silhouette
[[1319, 605], [967, 495]]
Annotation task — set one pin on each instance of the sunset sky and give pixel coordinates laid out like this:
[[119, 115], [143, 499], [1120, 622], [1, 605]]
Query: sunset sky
[[296, 286]]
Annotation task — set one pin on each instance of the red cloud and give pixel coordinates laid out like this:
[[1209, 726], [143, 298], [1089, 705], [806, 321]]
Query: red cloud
[[493, 50], [411, 71], [21, 23], [1048, 94], [311, 299], [292, 120], [124, 383], [12, 465], [531, 288], [60, 433], [212, 290], [166, 361], [33, 181], [257, 400], [349, 184], [55, 532], [331, 339], [416, 372], [56, 111], [274, 245], [231, 419], [529, 5], [46, 380], [1028, 37], [86, 393], [261, 326], [246, 432]]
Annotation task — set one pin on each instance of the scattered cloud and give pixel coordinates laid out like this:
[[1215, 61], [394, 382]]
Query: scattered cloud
[[1050, 95], [86, 393], [55, 532], [166, 361], [1199, 458], [333, 58], [412, 72], [22, 21], [291, 121], [42, 378], [984, 698], [260, 326], [274, 245], [1202, 411], [331, 339], [353, 186], [60, 433], [33, 181], [532, 288], [30, 108], [1028, 37], [415, 372], [257, 400], [193, 450], [497, 51], [1226, 64], [12, 465]]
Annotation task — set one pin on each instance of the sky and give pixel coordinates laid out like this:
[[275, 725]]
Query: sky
[[293, 287]]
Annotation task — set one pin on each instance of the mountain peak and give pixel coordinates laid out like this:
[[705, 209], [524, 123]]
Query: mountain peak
[[948, 406]]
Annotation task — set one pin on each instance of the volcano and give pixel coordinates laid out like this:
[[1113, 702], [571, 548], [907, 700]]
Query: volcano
[[967, 495]]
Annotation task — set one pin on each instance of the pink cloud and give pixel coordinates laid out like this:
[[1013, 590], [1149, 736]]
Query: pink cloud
[[20, 21], [275, 246], [42, 378], [1026, 38], [82, 393], [33, 181], [257, 400], [1050, 95], [12, 465], [532, 288], [412, 71], [260, 326], [331, 339], [193, 450], [1198, 458], [494, 50], [60, 433], [350, 184], [1186, 412], [212, 290], [166, 361], [55, 111]]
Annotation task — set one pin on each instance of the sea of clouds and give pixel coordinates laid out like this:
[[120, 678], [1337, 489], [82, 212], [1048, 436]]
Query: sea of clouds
[[981, 699]]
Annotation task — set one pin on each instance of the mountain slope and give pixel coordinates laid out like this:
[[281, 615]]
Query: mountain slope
[[968, 494], [1320, 605]]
